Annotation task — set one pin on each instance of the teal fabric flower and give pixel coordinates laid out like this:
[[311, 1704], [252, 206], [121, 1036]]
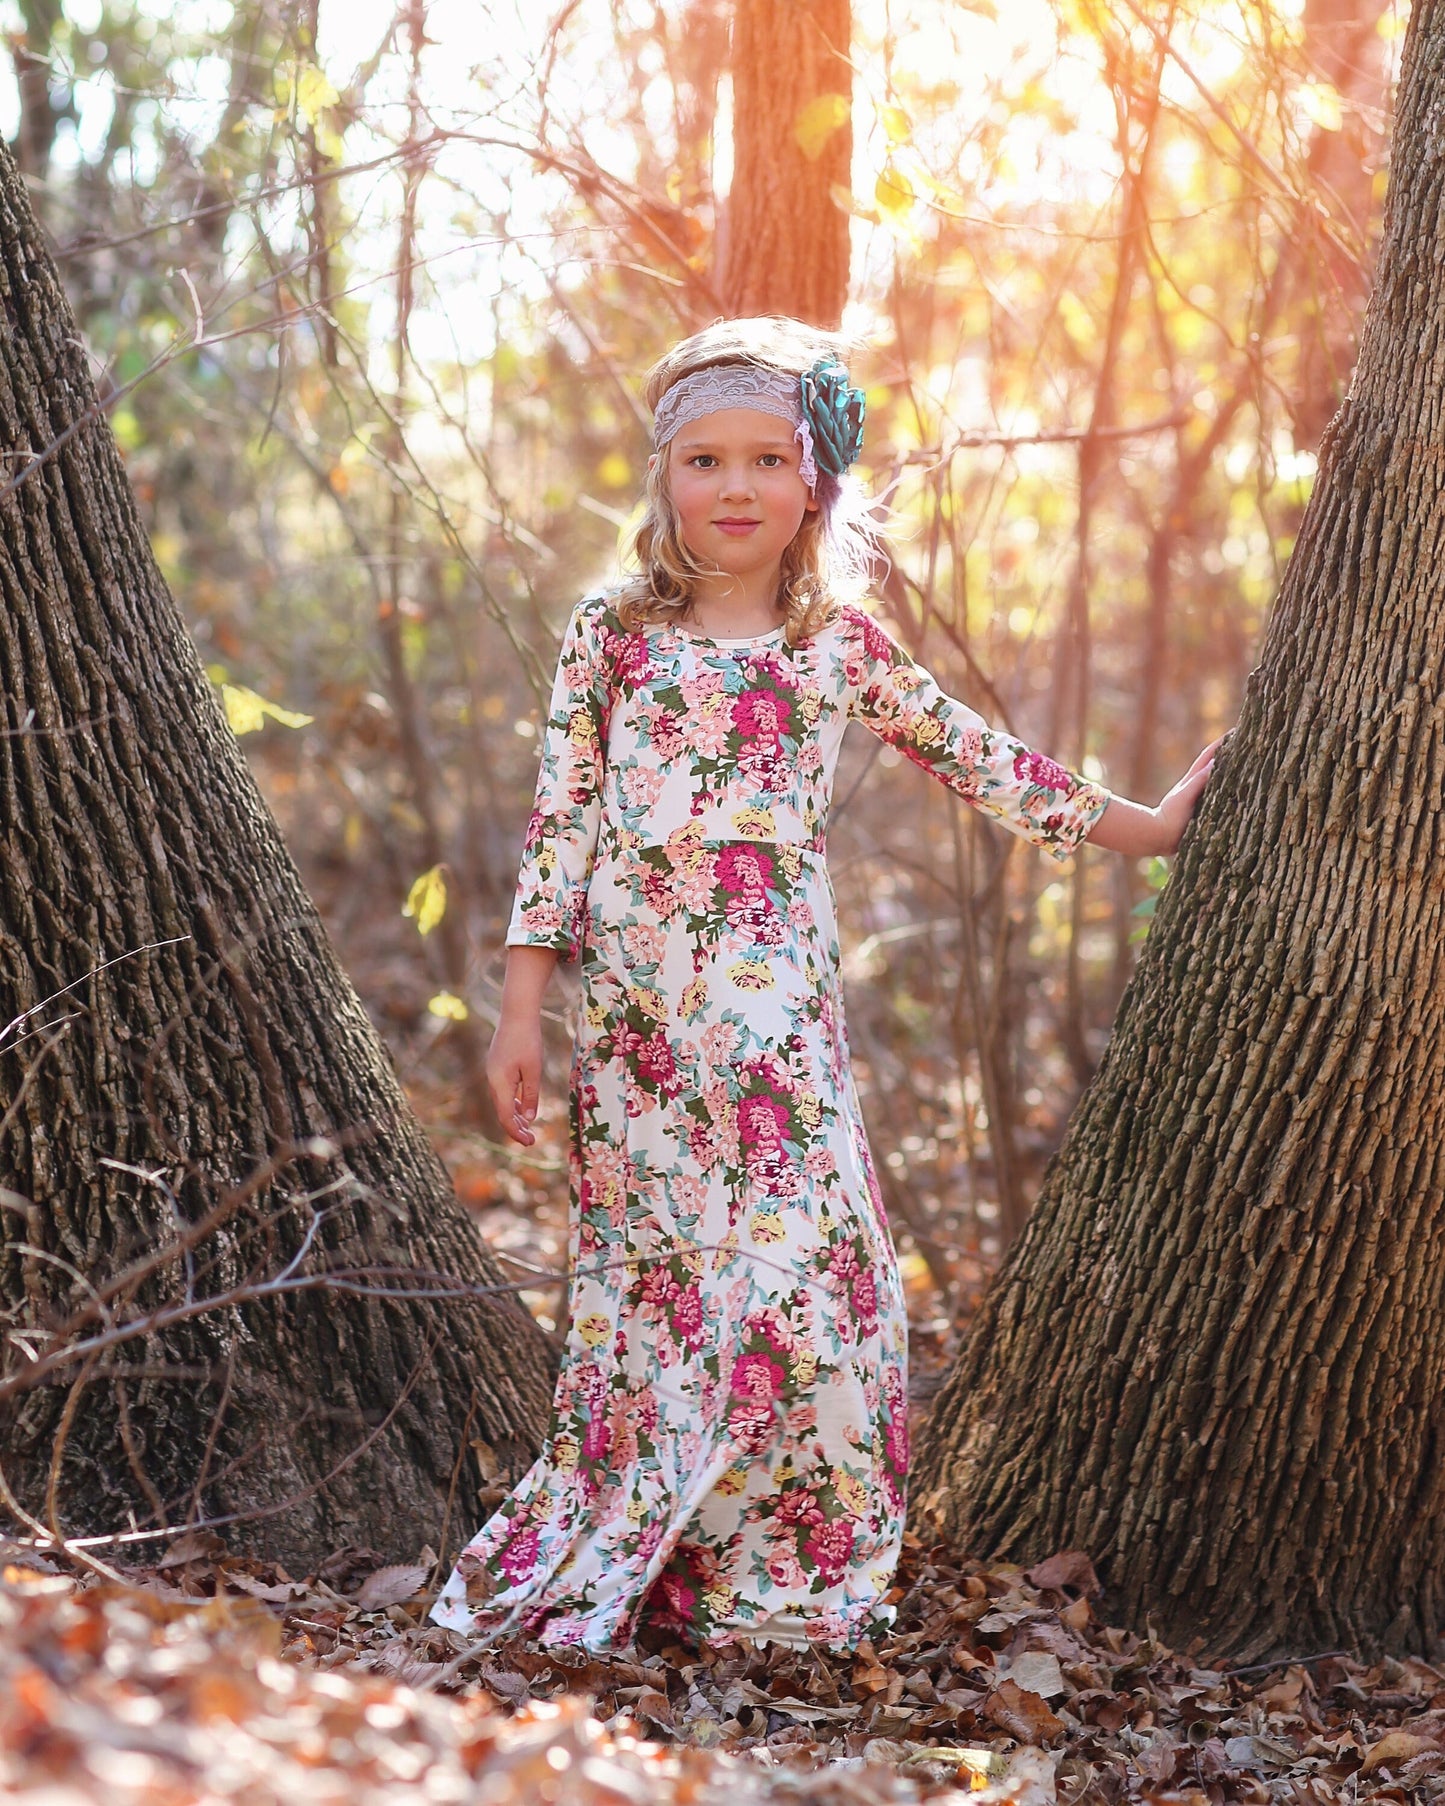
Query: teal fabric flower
[[834, 411]]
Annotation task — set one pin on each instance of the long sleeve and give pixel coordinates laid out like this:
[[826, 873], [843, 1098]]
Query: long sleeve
[[551, 899], [1029, 794]]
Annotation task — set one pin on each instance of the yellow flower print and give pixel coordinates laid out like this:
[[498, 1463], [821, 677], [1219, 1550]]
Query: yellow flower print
[[596, 1014], [851, 1490], [732, 1482], [636, 1511], [685, 848], [927, 730], [595, 1330], [792, 862], [767, 1227], [581, 729], [565, 1454], [693, 1001], [810, 1110], [720, 1601], [805, 1367], [751, 975], [755, 823], [649, 1002], [811, 706]]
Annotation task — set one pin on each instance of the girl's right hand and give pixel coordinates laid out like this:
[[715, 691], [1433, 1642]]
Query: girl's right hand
[[514, 1072]]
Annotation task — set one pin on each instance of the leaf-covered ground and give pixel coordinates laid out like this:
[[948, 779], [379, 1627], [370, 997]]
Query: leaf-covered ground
[[215, 1679]]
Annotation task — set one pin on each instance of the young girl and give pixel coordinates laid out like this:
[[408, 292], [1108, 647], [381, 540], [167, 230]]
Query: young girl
[[727, 1450]]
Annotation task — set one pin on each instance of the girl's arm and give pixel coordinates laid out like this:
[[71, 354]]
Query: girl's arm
[[514, 1060], [1132, 828], [549, 913], [1027, 793]]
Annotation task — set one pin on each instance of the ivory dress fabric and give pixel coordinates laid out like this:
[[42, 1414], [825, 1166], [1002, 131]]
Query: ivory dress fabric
[[728, 1444]]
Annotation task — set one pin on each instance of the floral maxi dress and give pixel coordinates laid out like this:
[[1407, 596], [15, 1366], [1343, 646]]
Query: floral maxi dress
[[727, 1448]]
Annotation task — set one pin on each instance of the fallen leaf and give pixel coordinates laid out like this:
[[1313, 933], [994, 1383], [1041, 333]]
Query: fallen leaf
[[1071, 1569], [1396, 1747], [1022, 1714], [1038, 1672]]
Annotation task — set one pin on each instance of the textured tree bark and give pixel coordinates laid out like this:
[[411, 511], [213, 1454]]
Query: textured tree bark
[[1215, 1359], [784, 244], [203, 1076]]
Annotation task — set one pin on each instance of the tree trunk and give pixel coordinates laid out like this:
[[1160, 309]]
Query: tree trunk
[[207, 1104], [1215, 1359], [784, 245]]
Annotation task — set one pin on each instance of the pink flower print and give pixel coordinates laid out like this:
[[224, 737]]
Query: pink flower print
[[1036, 769], [629, 657], [658, 894], [697, 688], [876, 644], [751, 1422], [597, 1438], [720, 1042], [541, 918], [761, 715], [800, 915], [762, 1121], [799, 1507], [658, 1287], [655, 1061], [708, 733], [756, 1376], [830, 1545], [687, 1319], [843, 1265], [969, 751], [668, 740], [744, 871], [895, 1444], [644, 943], [675, 1600], [865, 1301], [650, 1537], [785, 1570], [642, 786], [519, 1556]]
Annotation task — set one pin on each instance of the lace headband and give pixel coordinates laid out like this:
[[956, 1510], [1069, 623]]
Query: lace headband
[[824, 411]]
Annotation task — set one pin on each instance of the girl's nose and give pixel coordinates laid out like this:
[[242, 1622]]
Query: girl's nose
[[737, 481]]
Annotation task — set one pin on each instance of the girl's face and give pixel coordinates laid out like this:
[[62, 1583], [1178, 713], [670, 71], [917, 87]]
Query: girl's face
[[734, 481]]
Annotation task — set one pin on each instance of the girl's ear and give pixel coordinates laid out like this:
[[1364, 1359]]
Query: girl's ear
[[811, 505], [652, 464]]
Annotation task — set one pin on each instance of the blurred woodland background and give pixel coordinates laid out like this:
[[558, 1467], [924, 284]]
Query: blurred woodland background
[[370, 289]]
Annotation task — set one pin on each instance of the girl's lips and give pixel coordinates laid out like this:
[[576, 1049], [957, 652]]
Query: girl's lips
[[736, 527]]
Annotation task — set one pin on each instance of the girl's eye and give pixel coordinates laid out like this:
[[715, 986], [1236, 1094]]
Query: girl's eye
[[770, 460], [702, 460]]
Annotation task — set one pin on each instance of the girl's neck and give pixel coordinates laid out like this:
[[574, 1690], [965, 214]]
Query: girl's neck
[[727, 607]]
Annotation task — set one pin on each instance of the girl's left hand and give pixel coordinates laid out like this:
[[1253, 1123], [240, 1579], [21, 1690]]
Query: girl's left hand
[[1138, 831], [1175, 810]]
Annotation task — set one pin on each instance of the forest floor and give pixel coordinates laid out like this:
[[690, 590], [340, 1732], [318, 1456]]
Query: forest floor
[[210, 1679]]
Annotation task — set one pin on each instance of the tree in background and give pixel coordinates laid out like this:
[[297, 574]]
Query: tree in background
[[783, 246], [1214, 1360], [236, 1285]]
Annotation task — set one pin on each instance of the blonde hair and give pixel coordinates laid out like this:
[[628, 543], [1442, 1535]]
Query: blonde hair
[[832, 555]]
